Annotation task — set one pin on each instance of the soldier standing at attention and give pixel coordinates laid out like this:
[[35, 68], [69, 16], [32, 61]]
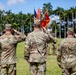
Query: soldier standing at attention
[[8, 47], [36, 49], [67, 54]]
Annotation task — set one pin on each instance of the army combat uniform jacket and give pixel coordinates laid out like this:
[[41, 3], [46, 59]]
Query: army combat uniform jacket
[[67, 53], [36, 46], [8, 47]]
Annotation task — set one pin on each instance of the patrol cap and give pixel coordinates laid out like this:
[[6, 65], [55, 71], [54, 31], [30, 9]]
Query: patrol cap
[[70, 31], [8, 26], [37, 23]]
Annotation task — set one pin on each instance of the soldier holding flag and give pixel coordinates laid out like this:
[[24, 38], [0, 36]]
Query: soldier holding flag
[[36, 49]]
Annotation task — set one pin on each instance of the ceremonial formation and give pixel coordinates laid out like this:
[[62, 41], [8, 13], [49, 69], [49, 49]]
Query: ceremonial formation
[[37, 48]]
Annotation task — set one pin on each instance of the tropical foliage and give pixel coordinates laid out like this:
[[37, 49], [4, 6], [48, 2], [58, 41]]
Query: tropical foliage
[[24, 22]]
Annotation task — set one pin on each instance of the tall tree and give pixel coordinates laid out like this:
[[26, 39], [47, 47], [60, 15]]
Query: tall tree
[[30, 19], [59, 11], [47, 6], [55, 28], [71, 10]]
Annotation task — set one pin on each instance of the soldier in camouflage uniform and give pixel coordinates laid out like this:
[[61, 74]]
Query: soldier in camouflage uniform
[[36, 49], [8, 47], [54, 45], [48, 49], [67, 54]]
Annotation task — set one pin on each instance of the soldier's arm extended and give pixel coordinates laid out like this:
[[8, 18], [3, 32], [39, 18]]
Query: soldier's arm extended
[[27, 48], [26, 52], [59, 56], [59, 59], [20, 36], [49, 37]]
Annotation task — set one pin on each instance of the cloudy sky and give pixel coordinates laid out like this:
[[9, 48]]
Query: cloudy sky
[[27, 6]]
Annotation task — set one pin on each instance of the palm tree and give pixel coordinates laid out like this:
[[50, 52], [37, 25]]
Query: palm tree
[[64, 17], [1, 20], [47, 6], [30, 20], [59, 11], [55, 28], [8, 16], [71, 12], [1, 12], [75, 12], [21, 21], [8, 12]]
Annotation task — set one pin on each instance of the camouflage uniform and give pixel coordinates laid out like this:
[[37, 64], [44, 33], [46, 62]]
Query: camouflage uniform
[[54, 48], [8, 55], [54, 44], [67, 56], [35, 51], [48, 49]]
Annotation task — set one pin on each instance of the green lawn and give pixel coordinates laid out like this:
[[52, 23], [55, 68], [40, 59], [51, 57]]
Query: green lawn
[[23, 66]]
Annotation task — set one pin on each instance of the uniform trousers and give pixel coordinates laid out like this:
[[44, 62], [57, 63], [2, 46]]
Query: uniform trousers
[[38, 68], [69, 71], [8, 69]]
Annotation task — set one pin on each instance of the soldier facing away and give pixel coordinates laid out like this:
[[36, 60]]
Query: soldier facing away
[[36, 49], [8, 50], [67, 54]]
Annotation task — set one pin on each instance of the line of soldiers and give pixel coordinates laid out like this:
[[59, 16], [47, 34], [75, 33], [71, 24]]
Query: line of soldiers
[[36, 50]]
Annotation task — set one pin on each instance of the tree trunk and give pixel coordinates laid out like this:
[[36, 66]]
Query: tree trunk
[[55, 31], [64, 29], [22, 28], [60, 27], [72, 20], [75, 14], [60, 31]]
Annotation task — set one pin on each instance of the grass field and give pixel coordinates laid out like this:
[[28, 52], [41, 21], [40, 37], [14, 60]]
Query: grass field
[[23, 66]]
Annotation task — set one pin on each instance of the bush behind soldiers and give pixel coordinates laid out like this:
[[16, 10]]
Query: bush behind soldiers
[[8, 50], [67, 54], [35, 49]]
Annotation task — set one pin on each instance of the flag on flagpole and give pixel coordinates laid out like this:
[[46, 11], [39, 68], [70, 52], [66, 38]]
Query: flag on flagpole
[[45, 20], [47, 17], [43, 23], [35, 14], [38, 14]]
